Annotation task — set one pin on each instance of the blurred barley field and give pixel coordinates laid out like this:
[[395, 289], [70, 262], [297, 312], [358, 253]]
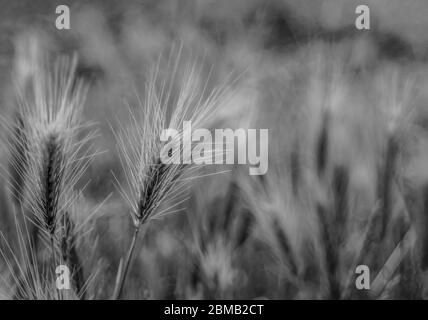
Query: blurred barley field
[[81, 184]]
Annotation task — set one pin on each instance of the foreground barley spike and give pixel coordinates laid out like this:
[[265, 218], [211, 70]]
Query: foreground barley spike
[[56, 156], [149, 183]]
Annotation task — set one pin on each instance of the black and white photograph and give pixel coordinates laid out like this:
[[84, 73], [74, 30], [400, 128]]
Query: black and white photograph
[[215, 150]]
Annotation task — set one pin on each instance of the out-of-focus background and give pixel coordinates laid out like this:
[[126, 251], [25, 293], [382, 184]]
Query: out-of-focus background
[[301, 62]]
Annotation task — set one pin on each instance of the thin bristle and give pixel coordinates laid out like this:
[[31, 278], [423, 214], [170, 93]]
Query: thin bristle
[[18, 159]]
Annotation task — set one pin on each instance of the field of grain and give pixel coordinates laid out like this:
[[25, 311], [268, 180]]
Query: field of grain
[[82, 184]]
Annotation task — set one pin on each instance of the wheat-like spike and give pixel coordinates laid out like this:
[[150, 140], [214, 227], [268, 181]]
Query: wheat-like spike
[[149, 183], [56, 156]]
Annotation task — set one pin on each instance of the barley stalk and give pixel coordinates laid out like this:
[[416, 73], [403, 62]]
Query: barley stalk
[[49, 141], [149, 182]]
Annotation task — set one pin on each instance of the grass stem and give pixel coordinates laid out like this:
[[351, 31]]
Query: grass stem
[[119, 288]]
